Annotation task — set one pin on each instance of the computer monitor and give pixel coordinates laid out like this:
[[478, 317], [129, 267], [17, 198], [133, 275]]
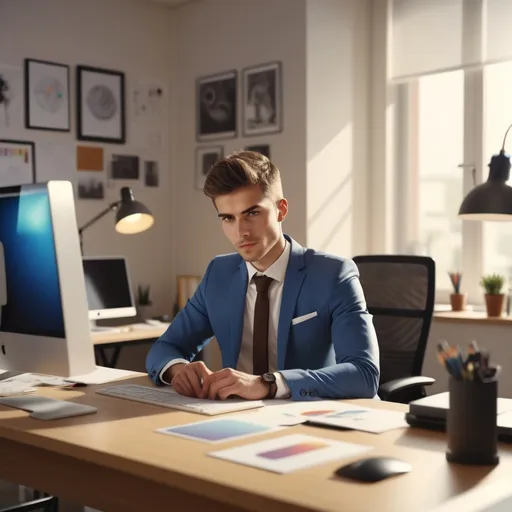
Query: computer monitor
[[108, 288], [44, 324]]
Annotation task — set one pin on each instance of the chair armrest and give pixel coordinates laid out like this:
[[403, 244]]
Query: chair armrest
[[389, 388]]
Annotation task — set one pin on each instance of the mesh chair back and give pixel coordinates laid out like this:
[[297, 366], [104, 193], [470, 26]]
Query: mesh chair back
[[400, 293]]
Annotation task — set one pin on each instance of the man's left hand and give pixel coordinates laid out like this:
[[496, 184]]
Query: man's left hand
[[228, 382]]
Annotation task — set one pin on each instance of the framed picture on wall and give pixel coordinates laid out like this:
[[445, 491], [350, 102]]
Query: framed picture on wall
[[264, 149], [216, 106], [47, 95], [262, 99], [100, 96], [205, 158], [17, 163]]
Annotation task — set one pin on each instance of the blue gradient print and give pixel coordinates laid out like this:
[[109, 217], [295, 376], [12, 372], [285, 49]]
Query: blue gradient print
[[218, 430], [33, 292]]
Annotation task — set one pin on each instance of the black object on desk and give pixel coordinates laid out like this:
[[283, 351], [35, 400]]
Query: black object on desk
[[471, 422], [373, 469]]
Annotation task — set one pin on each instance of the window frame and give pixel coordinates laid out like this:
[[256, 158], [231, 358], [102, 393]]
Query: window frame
[[407, 179]]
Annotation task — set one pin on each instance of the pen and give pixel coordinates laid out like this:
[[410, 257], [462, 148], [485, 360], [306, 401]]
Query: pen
[[474, 365]]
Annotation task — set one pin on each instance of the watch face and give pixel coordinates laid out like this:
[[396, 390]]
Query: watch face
[[269, 377]]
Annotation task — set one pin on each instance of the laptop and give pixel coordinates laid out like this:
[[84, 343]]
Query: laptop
[[431, 412]]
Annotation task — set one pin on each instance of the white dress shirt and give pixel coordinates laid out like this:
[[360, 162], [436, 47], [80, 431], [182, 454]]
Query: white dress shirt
[[277, 272]]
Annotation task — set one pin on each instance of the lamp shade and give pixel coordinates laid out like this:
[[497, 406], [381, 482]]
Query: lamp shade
[[492, 200], [132, 216]]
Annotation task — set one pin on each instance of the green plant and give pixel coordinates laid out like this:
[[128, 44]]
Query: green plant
[[143, 295], [492, 284]]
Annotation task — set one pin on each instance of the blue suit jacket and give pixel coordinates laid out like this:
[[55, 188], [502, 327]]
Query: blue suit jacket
[[332, 355]]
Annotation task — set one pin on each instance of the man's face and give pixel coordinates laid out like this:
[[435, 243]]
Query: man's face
[[251, 221]]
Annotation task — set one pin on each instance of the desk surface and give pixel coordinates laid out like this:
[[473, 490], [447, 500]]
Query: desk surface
[[129, 333], [113, 460]]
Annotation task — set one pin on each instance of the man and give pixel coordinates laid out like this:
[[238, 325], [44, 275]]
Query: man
[[290, 322]]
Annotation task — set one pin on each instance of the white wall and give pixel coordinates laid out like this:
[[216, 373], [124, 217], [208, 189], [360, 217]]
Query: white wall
[[214, 36], [338, 42], [322, 152], [132, 36]]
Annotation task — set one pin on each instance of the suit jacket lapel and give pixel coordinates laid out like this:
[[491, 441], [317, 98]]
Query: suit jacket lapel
[[236, 301], [295, 274]]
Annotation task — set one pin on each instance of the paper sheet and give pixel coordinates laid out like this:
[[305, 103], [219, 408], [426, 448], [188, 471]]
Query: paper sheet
[[33, 379], [15, 388], [375, 421], [291, 453], [219, 430], [307, 410], [103, 375]]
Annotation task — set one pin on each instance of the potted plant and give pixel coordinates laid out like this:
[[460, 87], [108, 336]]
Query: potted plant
[[143, 301], [457, 299], [494, 298]]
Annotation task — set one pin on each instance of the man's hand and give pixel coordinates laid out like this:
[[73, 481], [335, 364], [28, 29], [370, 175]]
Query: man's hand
[[188, 378], [228, 382]]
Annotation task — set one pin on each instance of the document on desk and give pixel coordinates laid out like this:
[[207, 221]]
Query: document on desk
[[375, 421], [291, 453], [15, 388], [102, 375], [289, 414], [220, 430]]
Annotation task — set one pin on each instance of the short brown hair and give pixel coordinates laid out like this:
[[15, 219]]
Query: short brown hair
[[241, 169]]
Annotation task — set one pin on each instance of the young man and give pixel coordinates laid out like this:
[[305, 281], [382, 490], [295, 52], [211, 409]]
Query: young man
[[290, 322]]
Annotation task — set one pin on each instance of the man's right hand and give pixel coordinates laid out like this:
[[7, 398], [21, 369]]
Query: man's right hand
[[187, 379]]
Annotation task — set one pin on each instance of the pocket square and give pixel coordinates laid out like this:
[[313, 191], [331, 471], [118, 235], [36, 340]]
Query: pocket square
[[303, 318]]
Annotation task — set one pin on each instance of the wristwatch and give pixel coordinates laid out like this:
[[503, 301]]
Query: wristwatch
[[270, 378]]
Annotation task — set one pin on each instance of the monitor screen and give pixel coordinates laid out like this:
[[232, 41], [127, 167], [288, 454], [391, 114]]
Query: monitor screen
[[31, 302], [107, 284]]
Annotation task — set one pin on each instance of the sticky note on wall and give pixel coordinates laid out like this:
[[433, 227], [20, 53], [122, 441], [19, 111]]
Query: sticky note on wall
[[89, 158]]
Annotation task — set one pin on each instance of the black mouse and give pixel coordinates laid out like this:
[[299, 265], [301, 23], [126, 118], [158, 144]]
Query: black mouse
[[373, 469]]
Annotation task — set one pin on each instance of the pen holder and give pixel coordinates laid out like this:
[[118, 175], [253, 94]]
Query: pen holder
[[472, 422]]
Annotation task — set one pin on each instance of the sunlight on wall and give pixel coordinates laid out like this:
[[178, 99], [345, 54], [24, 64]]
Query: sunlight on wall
[[329, 195]]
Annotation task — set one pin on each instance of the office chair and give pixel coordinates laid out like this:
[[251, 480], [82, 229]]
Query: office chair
[[400, 293]]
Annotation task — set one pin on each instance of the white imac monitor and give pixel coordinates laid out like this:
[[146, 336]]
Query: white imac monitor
[[44, 324], [108, 288]]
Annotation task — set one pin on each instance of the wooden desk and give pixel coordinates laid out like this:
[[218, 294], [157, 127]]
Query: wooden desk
[[117, 340], [114, 461]]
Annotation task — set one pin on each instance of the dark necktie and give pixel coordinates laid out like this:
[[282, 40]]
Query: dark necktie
[[261, 321]]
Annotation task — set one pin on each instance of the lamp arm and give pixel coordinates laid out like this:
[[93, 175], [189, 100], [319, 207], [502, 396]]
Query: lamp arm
[[505, 137], [110, 207]]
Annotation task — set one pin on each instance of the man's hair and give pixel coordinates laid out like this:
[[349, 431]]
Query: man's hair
[[242, 169]]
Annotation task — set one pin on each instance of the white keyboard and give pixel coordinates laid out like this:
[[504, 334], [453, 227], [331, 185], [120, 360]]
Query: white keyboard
[[167, 397]]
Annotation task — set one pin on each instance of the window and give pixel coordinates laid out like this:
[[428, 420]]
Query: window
[[497, 236], [452, 106], [429, 165]]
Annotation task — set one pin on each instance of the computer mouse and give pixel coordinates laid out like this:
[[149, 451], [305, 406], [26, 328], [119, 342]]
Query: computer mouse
[[373, 469]]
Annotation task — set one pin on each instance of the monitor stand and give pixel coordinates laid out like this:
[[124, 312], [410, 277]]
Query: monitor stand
[[93, 327]]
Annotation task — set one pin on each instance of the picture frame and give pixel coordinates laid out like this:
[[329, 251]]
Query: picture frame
[[101, 105], [262, 99], [264, 149], [217, 106], [17, 162], [205, 158], [47, 103]]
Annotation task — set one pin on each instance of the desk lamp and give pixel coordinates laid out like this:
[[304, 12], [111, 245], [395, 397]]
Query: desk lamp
[[131, 216], [491, 200]]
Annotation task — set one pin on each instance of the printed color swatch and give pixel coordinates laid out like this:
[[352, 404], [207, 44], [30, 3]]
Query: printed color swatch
[[294, 449], [214, 431]]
